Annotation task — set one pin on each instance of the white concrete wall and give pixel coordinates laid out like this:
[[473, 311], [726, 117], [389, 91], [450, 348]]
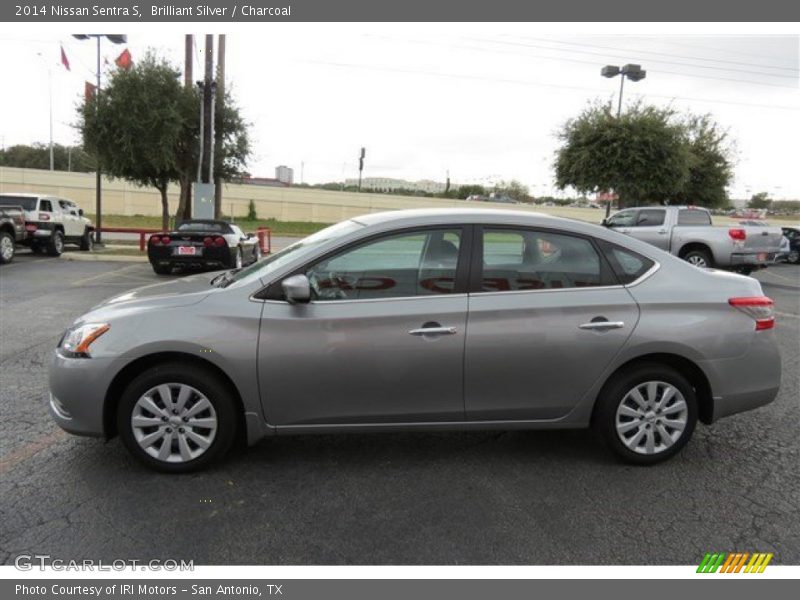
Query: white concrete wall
[[285, 204]]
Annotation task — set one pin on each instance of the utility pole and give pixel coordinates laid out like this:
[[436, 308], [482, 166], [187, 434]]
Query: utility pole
[[361, 166], [188, 82], [207, 114], [98, 236], [218, 130]]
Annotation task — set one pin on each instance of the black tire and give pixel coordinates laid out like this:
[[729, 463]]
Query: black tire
[[87, 241], [745, 270], [794, 257], [256, 253], [615, 392], [217, 393], [699, 257], [162, 269], [55, 246], [7, 247], [237, 260]]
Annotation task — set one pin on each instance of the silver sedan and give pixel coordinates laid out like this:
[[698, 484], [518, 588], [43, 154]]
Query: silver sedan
[[423, 320]]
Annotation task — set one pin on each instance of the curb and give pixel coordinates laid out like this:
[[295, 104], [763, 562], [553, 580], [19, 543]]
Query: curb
[[103, 257]]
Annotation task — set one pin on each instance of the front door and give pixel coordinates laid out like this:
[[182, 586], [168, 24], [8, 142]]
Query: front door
[[650, 227], [382, 340], [545, 320]]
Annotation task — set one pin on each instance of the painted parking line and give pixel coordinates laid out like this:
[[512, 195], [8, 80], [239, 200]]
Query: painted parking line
[[789, 279], [113, 273], [30, 449], [786, 315]]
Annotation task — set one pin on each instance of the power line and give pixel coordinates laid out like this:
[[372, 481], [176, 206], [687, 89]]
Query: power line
[[668, 62], [653, 52], [534, 83], [731, 51]]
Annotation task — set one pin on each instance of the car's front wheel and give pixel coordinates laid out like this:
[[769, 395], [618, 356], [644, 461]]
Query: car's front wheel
[[794, 257], [647, 413], [177, 418], [87, 241]]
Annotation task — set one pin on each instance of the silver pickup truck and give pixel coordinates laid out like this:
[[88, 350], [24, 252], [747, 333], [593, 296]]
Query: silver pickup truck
[[687, 232]]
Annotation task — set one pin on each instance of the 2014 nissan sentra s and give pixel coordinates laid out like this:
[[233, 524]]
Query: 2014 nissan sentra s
[[423, 320]]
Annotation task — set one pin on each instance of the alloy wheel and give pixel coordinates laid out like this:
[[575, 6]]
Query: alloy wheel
[[6, 248], [174, 422], [651, 417], [697, 260]]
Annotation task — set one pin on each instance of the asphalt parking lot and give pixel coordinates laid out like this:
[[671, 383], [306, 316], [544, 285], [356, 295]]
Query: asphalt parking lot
[[432, 498]]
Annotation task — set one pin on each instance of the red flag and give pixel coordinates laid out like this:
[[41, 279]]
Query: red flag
[[89, 91], [124, 60], [64, 59]]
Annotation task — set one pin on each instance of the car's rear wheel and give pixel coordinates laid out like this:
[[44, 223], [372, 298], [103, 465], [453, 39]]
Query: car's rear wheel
[[56, 244], [699, 258], [177, 418], [6, 247], [794, 257], [647, 413]]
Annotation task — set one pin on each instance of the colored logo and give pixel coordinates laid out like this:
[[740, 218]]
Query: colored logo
[[734, 562]]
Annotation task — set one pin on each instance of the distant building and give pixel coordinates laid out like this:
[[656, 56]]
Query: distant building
[[388, 184], [284, 174]]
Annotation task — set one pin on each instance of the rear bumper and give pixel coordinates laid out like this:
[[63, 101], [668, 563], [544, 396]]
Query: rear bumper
[[753, 258], [748, 381]]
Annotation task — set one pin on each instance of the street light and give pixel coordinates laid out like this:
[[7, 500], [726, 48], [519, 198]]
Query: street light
[[629, 71], [632, 72], [114, 39]]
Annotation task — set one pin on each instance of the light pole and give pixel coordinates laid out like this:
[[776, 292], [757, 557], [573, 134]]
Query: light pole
[[629, 71], [115, 39]]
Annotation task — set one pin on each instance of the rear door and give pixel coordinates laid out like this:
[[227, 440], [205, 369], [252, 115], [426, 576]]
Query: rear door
[[546, 316], [382, 340]]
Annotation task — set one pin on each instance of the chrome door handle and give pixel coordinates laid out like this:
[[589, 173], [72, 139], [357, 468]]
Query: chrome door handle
[[602, 325], [433, 331]]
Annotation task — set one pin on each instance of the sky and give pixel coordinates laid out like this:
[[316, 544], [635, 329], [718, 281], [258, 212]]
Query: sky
[[482, 102]]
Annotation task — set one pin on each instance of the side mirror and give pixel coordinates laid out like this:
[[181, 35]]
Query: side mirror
[[80, 212], [604, 223], [297, 289]]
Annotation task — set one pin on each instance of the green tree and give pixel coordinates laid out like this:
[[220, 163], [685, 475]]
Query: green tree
[[37, 156], [465, 191], [642, 155], [710, 164], [513, 189], [760, 200], [144, 127]]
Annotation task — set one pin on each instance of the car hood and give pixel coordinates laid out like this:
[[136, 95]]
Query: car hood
[[169, 294]]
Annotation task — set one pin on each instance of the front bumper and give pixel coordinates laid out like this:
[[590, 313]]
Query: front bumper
[[77, 393]]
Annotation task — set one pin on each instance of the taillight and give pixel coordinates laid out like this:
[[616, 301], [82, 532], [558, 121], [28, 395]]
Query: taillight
[[44, 217], [737, 234], [30, 227], [207, 241], [165, 240], [759, 308], [219, 242], [155, 240]]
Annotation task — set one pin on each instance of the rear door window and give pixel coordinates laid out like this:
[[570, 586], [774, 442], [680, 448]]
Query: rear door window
[[628, 265], [527, 259], [45, 205], [689, 216]]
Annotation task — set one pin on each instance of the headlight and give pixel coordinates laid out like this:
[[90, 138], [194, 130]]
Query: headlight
[[77, 340]]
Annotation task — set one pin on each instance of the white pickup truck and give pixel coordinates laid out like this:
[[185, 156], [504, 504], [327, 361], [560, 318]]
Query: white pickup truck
[[51, 222], [687, 232]]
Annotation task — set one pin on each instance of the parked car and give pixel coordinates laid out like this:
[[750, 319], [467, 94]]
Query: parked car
[[791, 252], [423, 320], [688, 233], [202, 243], [12, 231], [51, 222]]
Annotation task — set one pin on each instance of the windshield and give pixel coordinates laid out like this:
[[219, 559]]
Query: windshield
[[26, 202], [271, 263]]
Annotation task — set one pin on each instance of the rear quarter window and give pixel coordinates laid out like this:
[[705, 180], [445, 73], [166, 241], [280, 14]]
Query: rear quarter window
[[627, 265]]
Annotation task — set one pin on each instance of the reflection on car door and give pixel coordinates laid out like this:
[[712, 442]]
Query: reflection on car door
[[545, 319], [382, 340]]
